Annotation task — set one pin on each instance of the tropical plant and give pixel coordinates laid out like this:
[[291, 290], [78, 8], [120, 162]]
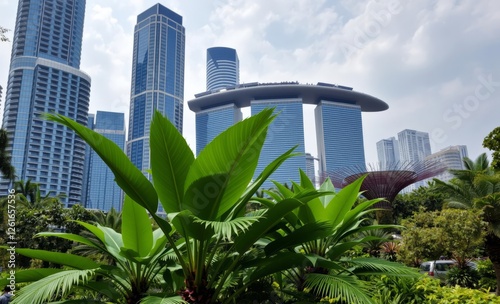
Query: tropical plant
[[328, 273], [486, 272], [492, 142], [462, 276], [29, 195], [137, 253], [451, 232], [205, 199], [478, 187]]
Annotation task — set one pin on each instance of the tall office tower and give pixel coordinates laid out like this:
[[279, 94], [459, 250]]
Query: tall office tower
[[211, 122], [339, 134], [413, 145], [44, 77], [223, 68], [285, 132], [87, 174], [157, 78], [452, 158], [388, 153], [103, 192]]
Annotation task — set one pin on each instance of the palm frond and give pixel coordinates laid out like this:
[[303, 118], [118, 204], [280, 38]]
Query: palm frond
[[346, 288], [58, 284], [375, 266], [225, 230], [159, 300]]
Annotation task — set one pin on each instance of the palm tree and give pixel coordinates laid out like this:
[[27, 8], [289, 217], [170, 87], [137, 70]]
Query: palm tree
[[6, 167], [29, 195], [478, 187]]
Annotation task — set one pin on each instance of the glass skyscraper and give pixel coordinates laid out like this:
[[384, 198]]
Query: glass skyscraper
[[157, 78], [285, 132], [213, 121], [103, 192], [339, 134], [223, 68], [222, 72], [44, 77]]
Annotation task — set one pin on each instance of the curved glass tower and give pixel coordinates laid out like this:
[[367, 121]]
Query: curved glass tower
[[44, 77], [157, 78], [223, 68]]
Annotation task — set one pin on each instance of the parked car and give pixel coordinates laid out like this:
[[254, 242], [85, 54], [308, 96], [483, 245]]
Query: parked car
[[438, 268]]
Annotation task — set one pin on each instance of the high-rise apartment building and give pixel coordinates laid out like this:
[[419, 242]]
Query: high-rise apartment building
[[413, 145], [222, 68], [103, 192], [388, 153], [157, 78], [44, 77], [452, 158], [286, 131]]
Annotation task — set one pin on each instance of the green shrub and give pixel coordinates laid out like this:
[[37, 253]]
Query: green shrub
[[396, 290], [464, 277], [436, 294], [487, 274]]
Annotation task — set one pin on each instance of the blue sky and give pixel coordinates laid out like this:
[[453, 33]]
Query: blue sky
[[436, 63]]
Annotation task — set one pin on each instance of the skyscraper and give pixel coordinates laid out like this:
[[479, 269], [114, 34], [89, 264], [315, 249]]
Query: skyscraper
[[338, 122], [211, 122], [103, 192], [339, 134], [413, 145], [388, 153], [45, 77], [157, 78], [286, 131], [223, 68], [222, 72]]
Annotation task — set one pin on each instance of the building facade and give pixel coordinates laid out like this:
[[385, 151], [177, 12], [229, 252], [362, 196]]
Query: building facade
[[413, 145], [223, 68], [157, 78], [452, 158], [45, 77], [213, 121], [388, 153], [338, 122], [285, 132], [102, 191], [339, 134]]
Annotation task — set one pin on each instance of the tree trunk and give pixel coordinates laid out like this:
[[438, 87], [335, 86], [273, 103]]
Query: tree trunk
[[492, 246]]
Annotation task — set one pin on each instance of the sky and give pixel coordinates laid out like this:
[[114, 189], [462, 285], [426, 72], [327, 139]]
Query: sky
[[435, 63]]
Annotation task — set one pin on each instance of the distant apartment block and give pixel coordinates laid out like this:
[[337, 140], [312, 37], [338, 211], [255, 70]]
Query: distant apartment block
[[452, 158], [388, 153], [413, 145]]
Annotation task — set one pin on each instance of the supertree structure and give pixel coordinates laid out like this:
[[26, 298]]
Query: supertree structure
[[386, 180]]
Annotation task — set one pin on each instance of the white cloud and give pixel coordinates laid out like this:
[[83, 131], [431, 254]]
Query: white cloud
[[422, 57]]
